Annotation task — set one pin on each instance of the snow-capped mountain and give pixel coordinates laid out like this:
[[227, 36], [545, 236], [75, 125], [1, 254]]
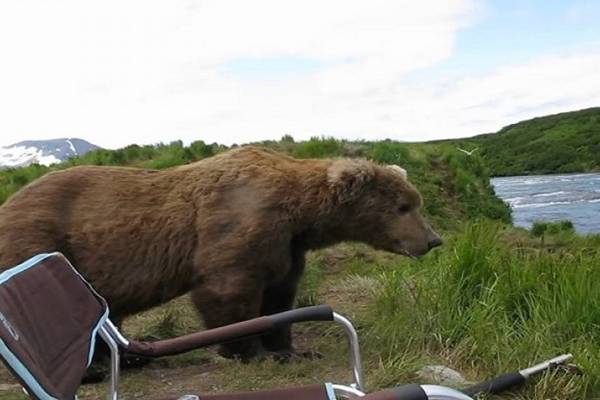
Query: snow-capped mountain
[[43, 152]]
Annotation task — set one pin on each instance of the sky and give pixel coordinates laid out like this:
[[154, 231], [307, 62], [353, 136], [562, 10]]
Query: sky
[[236, 71]]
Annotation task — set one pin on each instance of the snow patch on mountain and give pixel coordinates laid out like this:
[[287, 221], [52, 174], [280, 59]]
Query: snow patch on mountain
[[18, 156], [71, 146], [43, 152]]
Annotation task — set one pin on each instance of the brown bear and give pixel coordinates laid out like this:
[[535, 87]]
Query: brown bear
[[232, 229]]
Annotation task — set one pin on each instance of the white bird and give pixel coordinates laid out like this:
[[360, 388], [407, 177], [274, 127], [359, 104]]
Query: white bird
[[467, 152]]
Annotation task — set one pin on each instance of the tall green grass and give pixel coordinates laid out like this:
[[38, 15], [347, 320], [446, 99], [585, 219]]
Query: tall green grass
[[497, 306]]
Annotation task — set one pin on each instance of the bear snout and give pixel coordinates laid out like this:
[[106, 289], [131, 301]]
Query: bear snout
[[436, 242]]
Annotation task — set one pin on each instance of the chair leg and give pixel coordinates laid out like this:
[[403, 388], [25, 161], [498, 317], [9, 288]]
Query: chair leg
[[114, 363]]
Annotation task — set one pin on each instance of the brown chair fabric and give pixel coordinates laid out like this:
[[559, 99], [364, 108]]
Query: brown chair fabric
[[394, 394], [313, 392], [48, 323]]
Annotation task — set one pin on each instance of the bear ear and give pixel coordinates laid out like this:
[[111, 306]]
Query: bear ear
[[347, 178], [399, 170]]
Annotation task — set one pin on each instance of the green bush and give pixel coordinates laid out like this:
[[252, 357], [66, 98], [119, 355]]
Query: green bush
[[14, 179], [540, 228], [318, 148], [391, 153]]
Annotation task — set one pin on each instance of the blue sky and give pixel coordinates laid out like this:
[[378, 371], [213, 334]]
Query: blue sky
[[508, 31], [234, 71], [518, 31]]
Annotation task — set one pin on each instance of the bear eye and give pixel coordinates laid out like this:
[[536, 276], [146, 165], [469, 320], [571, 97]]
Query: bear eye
[[403, 209]]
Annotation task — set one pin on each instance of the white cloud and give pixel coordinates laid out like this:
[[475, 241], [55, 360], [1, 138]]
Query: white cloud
[[144, 71], [509, 94], [118, 72]]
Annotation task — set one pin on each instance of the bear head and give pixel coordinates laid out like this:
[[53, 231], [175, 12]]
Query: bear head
[[377, 205]]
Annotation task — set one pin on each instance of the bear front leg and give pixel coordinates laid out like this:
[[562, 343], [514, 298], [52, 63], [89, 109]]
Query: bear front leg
[[281, 297], [227, 302], [278, 299]]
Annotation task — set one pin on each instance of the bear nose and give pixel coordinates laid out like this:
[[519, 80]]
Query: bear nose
[[435, 242]]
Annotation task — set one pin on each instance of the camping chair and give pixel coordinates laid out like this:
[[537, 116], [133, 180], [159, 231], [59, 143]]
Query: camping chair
[[50, 318]]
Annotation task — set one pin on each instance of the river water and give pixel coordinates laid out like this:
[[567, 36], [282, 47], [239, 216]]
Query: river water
[[575, 197]]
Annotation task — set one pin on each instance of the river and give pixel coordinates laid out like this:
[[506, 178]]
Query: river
[[575, 197]]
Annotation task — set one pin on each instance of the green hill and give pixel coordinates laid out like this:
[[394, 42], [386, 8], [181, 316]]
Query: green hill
[[561, 143]]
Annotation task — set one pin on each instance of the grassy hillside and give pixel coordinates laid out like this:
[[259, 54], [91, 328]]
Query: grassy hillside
[[561, 143]]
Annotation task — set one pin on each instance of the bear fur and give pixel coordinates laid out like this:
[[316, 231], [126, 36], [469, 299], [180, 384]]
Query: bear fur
[[232, 229]]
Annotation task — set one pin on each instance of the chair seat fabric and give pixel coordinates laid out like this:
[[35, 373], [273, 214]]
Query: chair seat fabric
[[312, 392], [49, 318]]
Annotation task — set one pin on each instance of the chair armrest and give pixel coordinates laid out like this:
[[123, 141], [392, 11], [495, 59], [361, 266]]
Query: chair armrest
[[240, 330]]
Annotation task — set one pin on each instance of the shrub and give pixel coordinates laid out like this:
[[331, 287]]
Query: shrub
[[318, 148], [391, 153], [539, 228]]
